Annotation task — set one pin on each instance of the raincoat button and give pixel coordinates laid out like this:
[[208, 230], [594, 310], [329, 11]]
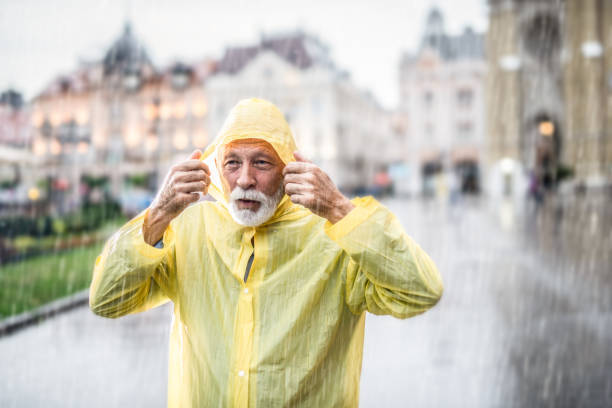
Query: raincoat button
[[240, 373], [246, 290]]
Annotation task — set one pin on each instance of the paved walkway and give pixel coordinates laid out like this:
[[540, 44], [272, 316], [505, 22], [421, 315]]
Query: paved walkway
[[525, 320]]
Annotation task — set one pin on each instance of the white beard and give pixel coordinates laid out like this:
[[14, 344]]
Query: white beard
[[249, 218]]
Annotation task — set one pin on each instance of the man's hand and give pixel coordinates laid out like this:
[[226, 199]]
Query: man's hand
[[181, 187], [308, 185]]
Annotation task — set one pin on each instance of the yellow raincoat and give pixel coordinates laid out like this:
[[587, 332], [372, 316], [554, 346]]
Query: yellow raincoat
[[292, 335]]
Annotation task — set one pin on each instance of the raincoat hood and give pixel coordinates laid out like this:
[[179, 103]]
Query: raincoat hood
[[250, 119]]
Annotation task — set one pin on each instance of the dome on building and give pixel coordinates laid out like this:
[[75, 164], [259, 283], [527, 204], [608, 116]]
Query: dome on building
[[435, 16], [434, 29], [126, 55]]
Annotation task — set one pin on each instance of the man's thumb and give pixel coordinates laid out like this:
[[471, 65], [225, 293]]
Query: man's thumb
[[196, 154], [298, 157]]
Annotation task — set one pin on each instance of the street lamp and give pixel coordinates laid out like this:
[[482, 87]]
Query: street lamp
[[56, 147], [506, 165], [152, 142], [132, 136], [546, 128], [199, 108], [591, 49], [39, 147], [82, 147], [180, 140], [510, 62], [200, 139], [33, 194]]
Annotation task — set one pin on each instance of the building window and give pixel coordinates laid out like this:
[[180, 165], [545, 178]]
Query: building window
[[220, 111], [429, 131], [115, 110], [543, 38], [316, 105], [267, 73], [465, 98], [465, 130], [428, 99]]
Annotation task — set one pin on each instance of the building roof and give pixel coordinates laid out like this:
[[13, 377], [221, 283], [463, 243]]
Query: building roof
[[467, 45], [127, 56], [82, 79], [299, 49], [11, 98], [14, 120]]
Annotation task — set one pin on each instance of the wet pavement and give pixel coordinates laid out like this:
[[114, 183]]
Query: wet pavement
[[525, 321]]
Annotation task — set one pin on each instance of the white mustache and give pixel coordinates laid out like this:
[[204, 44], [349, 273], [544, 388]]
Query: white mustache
[[253, 218], [240, 194]]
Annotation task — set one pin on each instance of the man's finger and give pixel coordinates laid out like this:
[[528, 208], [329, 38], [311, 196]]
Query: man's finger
[[298, 157], [195, 154], [194, 186], [194, 175], [298, 199], [294, 188], [297, 167], [187, 198], [298, 178], [193, 164]]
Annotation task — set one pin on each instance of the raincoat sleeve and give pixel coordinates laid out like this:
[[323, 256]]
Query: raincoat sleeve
[[130, 275], [387, 272]]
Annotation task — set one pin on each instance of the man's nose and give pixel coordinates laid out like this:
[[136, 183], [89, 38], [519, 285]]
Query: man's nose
[[246, 179]]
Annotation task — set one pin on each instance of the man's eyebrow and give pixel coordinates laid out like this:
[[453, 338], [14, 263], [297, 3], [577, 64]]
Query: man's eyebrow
[[265, 155], [229, 155]]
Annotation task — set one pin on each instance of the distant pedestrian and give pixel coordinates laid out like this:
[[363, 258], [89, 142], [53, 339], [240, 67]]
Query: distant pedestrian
[[535, 188]]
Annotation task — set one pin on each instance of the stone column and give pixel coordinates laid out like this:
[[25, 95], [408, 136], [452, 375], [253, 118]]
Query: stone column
[[584, 82], [502, 85], [606, 15]]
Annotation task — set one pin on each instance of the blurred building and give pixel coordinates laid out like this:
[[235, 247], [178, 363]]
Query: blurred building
[[113, 127], [15, 158], [14, 129], [337, 125], [549, 93], [441, 110]]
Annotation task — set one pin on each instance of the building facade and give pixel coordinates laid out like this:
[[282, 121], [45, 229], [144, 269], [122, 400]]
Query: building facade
[[442, 108], [119, 122], [549, 94], [337, 126], [113, 127], [15, 158]]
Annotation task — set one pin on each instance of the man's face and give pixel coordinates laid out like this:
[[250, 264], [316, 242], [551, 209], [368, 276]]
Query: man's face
[[252, 171]]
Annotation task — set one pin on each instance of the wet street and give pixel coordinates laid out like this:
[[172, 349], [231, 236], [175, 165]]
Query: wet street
[[525, 321]]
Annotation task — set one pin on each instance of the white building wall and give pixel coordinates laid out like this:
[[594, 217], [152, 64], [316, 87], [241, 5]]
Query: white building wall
[[434, 128], [332, 121]]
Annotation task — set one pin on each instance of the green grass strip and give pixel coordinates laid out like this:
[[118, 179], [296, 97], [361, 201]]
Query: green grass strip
[[28, 284]]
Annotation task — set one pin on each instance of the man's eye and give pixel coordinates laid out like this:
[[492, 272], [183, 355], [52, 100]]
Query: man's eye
[[232, 163]]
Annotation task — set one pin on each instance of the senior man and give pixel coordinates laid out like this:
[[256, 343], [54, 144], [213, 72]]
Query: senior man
[[270, 282]]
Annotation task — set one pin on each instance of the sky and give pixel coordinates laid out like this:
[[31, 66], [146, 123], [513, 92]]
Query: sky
[[40, 39]]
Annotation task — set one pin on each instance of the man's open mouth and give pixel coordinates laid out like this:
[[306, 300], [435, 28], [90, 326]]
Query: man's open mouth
[[248, 202], [251, 205]]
